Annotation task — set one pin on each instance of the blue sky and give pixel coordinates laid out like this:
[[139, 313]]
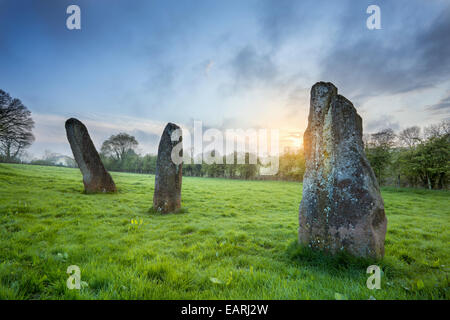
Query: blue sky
[[136, 65]]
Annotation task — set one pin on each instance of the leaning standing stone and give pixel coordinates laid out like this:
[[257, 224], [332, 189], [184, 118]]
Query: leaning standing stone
[[95, 176], [341, 208], [167, 196]]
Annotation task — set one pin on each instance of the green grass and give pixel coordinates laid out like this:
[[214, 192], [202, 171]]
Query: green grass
[[232, 240]]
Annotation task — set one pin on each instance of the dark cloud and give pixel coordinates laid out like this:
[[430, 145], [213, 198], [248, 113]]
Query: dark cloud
[[148, 142], [278, 19], [392, 60], [442, 107], [251, 67], [293, 20], [298, 101], [383, 122]]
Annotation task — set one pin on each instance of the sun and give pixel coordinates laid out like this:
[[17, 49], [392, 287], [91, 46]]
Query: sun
[[296, 142]]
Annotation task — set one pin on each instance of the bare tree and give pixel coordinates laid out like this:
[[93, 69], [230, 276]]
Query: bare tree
[[384, 138], [437, 130], [410, 137], [117, 146], [16, 125]]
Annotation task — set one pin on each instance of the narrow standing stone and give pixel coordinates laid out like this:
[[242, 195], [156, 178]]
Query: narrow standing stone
[[341, 207], [167, 195], [95, 176]]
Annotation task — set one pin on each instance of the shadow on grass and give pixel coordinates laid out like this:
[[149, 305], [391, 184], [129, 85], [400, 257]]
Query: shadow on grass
[[342, 263], [153, 211]]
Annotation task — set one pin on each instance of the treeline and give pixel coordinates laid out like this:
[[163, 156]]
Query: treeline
[[411, 158], [54, 159], [118, 154], [291, 167]]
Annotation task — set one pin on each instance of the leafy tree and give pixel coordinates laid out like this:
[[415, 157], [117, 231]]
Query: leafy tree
[[215, 170], [231, 169], [149, 163], [16, 127], [292, 166], [428, 162], [131, 162], [118, 146], [197, 170], [378, 151], [248, 171]]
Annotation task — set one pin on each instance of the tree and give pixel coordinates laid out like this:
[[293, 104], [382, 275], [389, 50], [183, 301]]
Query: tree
[[292, 165], [16, 127], [215, 170], [385, 139], [232, 168], [428, 162], [378, 151], [410, 137], [437, 130], [118, 146], [131, 162], [149, 163], [248, 171]]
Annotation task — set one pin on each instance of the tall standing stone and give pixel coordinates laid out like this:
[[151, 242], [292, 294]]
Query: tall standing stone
[[341, 208], [167, 195], [95, 176]]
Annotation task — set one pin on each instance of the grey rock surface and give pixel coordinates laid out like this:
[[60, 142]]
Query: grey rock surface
[[341, 207], [95, 177], [167, 195]]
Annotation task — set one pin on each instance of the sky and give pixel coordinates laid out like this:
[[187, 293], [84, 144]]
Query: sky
[[136, 65]]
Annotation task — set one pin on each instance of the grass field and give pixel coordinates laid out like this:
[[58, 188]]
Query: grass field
[[233, 240]]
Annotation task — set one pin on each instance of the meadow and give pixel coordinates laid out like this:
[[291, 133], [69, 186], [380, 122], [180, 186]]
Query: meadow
[[233, 240]]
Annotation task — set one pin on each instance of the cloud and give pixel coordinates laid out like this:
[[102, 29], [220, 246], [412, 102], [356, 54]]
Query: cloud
[[162, 77], [277, 19], [50, 131], [441, 107], [296, 21], [148, 141], [238, 64], [209, 67], [383, 122], [395, 60], [250, 67]]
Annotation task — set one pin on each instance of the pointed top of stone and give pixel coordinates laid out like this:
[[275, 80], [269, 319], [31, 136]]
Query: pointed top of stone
[[168, 176], [95, 176], [341, 207], [170, 127], [323, 84], [323, 89], [72, 121], [321, 94]]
